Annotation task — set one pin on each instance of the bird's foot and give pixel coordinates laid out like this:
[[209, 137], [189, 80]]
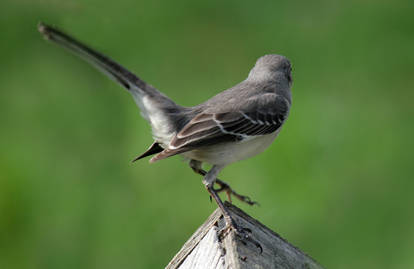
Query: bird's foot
[[196, 166], [242, 233], [229, 192]]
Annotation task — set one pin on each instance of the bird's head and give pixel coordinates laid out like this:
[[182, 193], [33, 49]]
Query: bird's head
[[271, 66]]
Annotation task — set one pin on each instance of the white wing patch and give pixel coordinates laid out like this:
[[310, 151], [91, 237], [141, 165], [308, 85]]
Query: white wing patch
[[224, 131]]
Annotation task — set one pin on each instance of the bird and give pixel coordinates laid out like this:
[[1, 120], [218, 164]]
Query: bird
[[233, 125]]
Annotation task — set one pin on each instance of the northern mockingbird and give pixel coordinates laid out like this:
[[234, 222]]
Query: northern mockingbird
[[236, 124]]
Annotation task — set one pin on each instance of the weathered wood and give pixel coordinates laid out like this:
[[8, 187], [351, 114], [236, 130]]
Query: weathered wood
[[263, 248], [194, 240]]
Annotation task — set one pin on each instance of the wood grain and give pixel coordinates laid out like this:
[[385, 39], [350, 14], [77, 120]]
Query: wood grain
[[258, 247]]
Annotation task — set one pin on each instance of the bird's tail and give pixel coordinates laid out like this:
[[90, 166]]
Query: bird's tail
[[157, 108]]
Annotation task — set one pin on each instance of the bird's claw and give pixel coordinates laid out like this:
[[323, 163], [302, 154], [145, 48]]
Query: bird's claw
[[229, 192], [244, 234]]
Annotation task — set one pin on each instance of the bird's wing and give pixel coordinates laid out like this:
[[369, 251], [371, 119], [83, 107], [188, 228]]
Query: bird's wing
[[259, 116]]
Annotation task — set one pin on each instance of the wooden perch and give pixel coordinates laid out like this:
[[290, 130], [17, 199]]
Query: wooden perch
[[262, 249]]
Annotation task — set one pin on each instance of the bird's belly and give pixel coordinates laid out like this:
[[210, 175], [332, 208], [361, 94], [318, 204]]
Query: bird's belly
[[226, 153]]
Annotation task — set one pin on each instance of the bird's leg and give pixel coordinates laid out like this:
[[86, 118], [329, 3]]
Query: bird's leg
[[196, 166], [208, 181], [243, 233]]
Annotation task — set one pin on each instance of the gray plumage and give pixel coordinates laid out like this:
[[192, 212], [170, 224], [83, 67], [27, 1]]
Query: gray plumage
[[255, 107], [235, 124]]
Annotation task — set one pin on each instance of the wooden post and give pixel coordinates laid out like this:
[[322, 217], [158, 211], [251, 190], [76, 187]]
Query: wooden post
[[263, 248]]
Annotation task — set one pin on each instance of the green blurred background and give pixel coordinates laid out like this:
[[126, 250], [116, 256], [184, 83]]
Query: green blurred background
[[337, 183]]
